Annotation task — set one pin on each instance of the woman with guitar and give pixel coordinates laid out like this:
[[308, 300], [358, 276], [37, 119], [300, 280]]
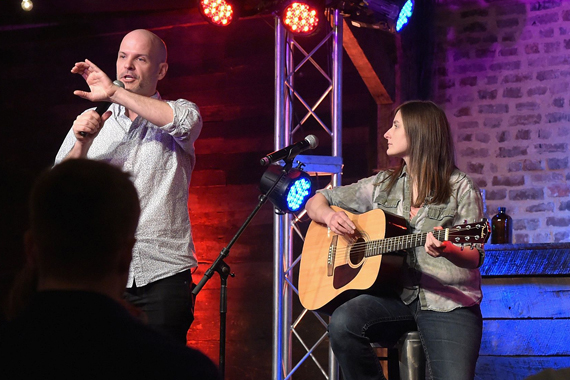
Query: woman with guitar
[[440, 285]]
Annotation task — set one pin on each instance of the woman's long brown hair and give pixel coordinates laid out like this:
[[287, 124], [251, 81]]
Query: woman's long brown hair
[[431, 152]]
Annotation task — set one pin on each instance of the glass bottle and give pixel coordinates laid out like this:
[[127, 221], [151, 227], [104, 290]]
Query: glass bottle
[[501, 228]]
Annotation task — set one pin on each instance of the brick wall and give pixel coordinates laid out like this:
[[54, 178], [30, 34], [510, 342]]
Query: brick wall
[[503, 76]]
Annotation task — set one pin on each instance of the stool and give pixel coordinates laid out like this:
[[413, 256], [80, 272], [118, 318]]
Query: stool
[[410, 358]]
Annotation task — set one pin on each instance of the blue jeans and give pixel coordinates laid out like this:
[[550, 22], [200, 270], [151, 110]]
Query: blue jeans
[[451, 340]]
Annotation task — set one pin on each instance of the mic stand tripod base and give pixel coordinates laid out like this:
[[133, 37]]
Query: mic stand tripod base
[[224, 270]]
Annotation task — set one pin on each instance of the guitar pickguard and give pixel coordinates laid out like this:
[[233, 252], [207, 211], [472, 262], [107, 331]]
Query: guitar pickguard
[[344, 274]]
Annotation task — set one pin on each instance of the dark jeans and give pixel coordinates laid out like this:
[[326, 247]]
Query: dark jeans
[[451, 340], [167, 304]]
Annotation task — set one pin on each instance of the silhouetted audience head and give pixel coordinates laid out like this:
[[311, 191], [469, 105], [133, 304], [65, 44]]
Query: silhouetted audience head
[[83, 219], [83, 215]]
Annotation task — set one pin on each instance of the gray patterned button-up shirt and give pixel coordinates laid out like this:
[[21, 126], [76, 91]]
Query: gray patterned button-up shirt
[[160, 160], [439, 284]]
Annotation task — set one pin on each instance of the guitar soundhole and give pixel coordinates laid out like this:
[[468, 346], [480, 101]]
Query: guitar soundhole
[[357, 251]]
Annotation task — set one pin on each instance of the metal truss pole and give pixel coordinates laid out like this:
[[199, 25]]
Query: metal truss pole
[[337, 132], [284, 289], [278, 220]]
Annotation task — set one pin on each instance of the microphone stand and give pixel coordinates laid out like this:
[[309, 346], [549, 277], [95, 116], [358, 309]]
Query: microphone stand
[[224, 270]]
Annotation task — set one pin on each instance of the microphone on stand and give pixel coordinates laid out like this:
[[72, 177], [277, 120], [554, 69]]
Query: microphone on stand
[[105, 105], [310, 142]]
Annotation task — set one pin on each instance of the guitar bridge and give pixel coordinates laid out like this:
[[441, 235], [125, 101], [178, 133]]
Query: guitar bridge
[[331, 256]]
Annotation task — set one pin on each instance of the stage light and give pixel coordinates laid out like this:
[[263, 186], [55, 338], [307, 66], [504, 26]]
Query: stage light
[[27, 5], [390, 15], [218, 12], [291, 192], [405, 15], [301, 18]]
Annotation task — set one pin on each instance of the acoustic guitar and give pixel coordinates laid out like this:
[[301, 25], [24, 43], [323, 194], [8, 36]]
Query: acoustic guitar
[[336, 268]]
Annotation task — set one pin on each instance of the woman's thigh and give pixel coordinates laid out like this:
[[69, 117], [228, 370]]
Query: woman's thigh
[[451, 341], [360, 321], [382, 319]]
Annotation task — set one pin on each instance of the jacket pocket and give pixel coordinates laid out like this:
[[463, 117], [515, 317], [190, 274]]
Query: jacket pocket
[[385, 203], [440, 212]]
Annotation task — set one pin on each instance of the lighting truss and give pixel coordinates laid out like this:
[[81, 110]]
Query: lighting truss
[[286, 329]]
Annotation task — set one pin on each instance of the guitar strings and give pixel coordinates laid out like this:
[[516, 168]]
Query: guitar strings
[[389, 245]]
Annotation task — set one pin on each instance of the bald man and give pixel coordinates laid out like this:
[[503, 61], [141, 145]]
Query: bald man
[[152, 139]]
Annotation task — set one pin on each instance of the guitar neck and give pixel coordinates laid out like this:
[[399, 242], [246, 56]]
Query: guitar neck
[[398, 243]]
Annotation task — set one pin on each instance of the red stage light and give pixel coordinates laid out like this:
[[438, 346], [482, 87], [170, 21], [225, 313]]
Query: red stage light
[[218, 12], [300, 18]]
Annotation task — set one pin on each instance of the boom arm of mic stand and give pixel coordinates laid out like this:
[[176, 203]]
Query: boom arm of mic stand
[[224, 270]]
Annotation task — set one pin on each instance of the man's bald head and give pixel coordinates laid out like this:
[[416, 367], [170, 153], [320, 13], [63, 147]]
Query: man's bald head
[[141, 62], [157, 45]]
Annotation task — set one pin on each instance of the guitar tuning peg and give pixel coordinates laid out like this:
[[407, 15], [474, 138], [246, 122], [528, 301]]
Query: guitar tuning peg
[[462, 246]]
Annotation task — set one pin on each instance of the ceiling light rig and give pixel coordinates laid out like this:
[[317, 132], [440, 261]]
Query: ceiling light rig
[[300, 17], [303, 17]]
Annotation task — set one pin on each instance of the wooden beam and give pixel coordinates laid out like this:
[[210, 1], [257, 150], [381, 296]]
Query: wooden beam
[[534, 259], [364, 67], [543, 297]]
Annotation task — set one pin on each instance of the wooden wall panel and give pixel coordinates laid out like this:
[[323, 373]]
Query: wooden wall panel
[[535, 297], [519, 367], [526, 293], [531, 337]]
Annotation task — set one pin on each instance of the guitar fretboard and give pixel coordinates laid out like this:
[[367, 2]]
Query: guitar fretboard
[[398, 243]]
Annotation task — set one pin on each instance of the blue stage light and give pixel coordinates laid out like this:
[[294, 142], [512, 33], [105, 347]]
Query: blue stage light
[[388, 15], [298, 194], [405, 15], [291, 192]]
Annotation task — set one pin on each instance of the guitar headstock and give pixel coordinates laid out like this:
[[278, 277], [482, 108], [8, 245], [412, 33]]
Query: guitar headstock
[[470, 233]]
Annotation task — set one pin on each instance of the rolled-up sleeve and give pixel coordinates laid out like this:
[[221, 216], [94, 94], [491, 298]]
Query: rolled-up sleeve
[[470, 208], [186, 124]]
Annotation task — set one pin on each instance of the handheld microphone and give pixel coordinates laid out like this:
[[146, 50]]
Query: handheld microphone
[[105, 105], [310, 142]]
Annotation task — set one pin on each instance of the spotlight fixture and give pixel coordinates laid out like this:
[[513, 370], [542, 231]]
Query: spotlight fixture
[[301, 18], [27, 5], [390, 15], [291, 192], [405, 15], [218, 12]]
